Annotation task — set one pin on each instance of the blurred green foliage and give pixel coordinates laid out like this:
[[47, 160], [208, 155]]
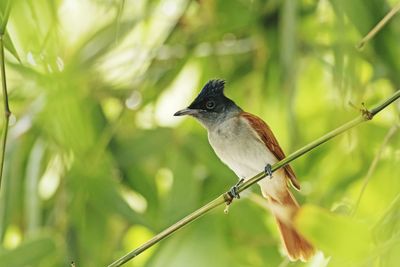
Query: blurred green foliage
[[96, 164]]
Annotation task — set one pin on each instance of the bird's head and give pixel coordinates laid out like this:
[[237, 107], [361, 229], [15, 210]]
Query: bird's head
[[211, 106]]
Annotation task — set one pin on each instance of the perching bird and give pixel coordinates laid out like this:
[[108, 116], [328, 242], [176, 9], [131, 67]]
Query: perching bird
[[247, 145]]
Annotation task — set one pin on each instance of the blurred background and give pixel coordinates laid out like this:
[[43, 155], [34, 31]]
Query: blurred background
[[96, 164]]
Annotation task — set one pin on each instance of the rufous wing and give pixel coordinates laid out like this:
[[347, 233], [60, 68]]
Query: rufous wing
[[268, 138]]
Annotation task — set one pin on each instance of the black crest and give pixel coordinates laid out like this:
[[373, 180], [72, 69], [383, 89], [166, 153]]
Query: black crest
[[212, 88], [211, 98]]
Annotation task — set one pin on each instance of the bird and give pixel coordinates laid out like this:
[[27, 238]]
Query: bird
[[246, 144]]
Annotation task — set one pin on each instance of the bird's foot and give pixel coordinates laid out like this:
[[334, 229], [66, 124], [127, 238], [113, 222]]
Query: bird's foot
[[268, 170], [233, 192]]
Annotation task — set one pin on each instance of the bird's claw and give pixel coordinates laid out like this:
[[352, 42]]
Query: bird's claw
[[233, 192], [268, 170]]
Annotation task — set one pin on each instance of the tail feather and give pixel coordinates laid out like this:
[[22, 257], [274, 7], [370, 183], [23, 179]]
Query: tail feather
[[296, 246]]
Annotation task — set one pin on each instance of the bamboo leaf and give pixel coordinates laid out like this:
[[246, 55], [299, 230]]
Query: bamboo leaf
[[102, 40], [4, 14], [389, 224], [9, 45], [33, 251], [336, 235]]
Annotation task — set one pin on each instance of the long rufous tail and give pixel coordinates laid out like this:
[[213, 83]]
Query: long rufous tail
[[297, 248]]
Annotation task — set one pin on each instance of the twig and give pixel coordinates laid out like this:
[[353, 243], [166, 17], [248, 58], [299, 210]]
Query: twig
[[227, 198], [379, 26], [374, 163], [7, 112]]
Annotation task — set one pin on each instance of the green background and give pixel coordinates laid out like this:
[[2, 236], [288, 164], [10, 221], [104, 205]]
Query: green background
[[96, 164]]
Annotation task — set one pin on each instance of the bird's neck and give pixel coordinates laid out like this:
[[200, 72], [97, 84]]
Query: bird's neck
[[211, 123]]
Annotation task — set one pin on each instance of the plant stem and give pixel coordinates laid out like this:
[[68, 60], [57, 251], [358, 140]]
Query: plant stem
[[193, 216], [302, 151], [227, 198], [7, 112], [374, 164], [379, 26]]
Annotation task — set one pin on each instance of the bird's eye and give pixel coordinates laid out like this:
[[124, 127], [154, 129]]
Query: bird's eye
[[210, 104]]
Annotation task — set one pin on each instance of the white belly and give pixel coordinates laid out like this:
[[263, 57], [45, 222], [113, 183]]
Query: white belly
[[244, 153]]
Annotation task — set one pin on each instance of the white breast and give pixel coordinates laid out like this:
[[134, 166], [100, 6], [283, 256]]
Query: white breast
[[239, 147]]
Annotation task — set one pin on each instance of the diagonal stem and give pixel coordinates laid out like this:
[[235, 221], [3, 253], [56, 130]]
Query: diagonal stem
[[7, 112], [374, 164], [183, 222], [379, 26], [227, 198]]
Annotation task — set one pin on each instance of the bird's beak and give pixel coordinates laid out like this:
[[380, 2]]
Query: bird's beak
[[186, 111]]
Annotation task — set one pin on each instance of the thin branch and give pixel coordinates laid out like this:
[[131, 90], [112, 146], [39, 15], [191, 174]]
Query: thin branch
[[7, 112], [118, 19], [227, 198], [379, 26], [374, 164]]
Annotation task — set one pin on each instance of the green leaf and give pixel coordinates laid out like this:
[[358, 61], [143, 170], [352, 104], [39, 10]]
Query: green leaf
[[9, 45], [389, 225], [30, 253], [102, 41], [336, 235], [5, 9]]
